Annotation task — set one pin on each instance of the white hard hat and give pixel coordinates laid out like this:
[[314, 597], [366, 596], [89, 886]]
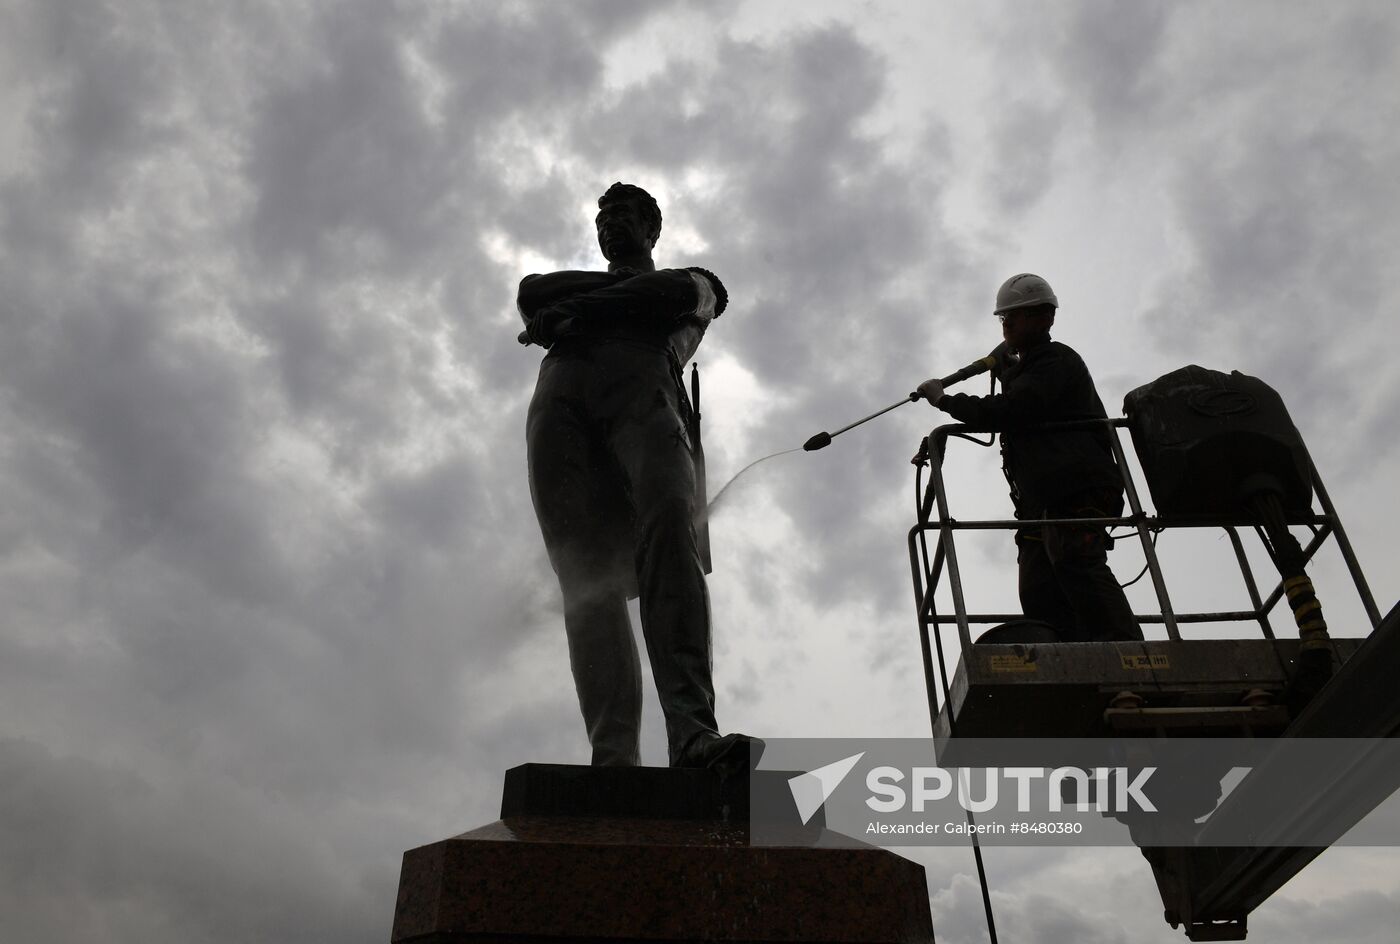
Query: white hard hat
[[1024, 291]]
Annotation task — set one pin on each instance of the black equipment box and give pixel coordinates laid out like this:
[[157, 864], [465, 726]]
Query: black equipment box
[[1208, 440]]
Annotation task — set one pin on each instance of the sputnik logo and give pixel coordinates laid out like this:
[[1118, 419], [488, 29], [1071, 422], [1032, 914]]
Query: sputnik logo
[[812, 789]]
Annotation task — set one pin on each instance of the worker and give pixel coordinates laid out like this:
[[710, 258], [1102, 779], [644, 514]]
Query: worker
[[612, 478], [1064, 577]]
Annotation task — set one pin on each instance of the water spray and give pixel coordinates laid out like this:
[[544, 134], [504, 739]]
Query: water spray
[[719, 496]]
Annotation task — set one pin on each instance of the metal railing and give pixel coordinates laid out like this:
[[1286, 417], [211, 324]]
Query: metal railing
[[933, 499]]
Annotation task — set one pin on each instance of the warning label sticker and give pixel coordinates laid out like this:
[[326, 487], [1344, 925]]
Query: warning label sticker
[[1011, 664], [1155, 661]]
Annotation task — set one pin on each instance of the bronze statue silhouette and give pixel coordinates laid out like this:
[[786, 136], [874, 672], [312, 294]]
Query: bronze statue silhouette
[[613, 481]]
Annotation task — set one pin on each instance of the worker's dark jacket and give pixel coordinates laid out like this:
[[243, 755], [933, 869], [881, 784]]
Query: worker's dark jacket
[[1047, 468]]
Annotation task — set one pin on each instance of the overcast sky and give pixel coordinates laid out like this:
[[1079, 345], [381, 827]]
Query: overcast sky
[[275, 606]]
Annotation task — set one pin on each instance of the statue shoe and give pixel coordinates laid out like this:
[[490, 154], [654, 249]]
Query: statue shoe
[[728, 754]]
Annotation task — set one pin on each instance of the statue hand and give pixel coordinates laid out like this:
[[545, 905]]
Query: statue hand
[[541, 328]]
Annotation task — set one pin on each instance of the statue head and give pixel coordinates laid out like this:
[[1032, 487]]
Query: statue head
[[628, 222]]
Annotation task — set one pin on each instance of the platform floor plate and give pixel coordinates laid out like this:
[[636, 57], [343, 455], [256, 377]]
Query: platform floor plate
[[1063, 689]]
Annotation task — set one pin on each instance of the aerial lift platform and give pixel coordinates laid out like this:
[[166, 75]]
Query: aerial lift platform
[[1018, 680]]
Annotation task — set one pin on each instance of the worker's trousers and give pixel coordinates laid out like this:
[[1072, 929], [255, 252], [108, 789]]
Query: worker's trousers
[[1065, 579], [613, 484]]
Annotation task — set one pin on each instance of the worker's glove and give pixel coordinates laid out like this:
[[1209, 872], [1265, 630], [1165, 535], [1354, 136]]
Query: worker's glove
[[721, 296], [1004, 359], [931, 390]]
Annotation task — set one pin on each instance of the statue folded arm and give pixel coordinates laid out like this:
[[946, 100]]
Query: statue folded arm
[[550, 304], [542, 290]]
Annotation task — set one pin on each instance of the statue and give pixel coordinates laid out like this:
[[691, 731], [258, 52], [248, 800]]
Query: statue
[[613, 481]]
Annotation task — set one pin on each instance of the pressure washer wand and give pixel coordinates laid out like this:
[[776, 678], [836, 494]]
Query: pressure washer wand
[[822, 440], [979, 366]]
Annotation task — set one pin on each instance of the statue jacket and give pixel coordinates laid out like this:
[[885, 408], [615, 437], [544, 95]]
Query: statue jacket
[[666, 311]]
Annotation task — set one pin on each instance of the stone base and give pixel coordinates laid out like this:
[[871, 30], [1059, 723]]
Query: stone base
[[571, 860]]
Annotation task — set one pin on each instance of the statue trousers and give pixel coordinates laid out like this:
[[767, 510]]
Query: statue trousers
[[613, 484]]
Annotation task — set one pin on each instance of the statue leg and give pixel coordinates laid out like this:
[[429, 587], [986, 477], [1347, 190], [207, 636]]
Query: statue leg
[[575, 519], [606, 669], [650, 443]]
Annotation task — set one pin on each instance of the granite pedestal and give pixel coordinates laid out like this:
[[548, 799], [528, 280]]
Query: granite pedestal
[[654, 854]]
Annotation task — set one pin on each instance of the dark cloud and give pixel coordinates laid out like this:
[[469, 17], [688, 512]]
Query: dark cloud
[[1360, 917], [960, 918], [347, 165], [1024, 148], [97, 849], [107, 108], [1110, 57]]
